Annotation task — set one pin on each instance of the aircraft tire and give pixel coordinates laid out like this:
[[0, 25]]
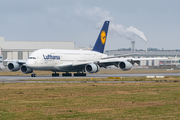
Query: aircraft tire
[[75, 74], [57, 74], [79, 74], [66, 74], [33, 75]]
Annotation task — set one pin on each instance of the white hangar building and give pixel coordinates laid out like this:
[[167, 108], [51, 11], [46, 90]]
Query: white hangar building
[[13, 50], [151, 54]]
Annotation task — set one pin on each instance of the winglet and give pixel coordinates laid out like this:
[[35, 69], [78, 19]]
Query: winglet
[[101, 40]]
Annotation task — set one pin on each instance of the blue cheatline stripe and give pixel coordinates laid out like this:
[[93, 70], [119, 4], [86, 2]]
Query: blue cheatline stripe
[[101, 40]]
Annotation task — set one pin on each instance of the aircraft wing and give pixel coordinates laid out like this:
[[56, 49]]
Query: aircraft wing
[[18, 61], [106, 62], [116, 56], [115, 61]]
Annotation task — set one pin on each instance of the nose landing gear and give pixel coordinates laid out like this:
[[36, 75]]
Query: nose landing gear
[[33, 75]]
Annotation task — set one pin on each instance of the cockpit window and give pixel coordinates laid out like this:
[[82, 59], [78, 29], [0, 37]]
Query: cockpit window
[[32, 58]]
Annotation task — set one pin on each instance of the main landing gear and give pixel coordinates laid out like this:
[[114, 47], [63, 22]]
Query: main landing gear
[[67, 74], [75, 74], [55, 74], [80, 74]]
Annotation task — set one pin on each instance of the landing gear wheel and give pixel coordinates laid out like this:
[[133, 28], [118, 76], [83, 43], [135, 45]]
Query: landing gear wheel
[[79, 74], [84, 74], [66, 74], [75, 74], [55, 74], [33, 75]]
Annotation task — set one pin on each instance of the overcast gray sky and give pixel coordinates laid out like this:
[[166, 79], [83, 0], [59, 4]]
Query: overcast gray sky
[[157, 21]]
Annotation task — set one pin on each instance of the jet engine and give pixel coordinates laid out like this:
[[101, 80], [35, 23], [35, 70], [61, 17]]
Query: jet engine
[[92, 68], [125, 65], [25, 70], [14, 66]]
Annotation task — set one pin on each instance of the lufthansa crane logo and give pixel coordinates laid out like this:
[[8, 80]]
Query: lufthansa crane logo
[[103, 37]]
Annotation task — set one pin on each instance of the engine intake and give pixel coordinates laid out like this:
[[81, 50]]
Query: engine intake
[[14, 66], [25, 70], [92, 68], [125, 65]]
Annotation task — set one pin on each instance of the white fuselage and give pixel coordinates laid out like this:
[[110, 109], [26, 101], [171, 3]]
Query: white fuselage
[[53, 59]]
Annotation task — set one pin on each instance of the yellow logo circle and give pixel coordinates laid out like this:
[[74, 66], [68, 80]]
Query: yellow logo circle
[[103, 37]]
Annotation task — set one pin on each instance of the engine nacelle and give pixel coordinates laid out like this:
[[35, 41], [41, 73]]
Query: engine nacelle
[[14, 66], [125, 65], [92, 68], [25, 70]]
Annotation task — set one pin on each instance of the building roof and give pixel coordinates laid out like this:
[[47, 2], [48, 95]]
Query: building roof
[[34, 45]]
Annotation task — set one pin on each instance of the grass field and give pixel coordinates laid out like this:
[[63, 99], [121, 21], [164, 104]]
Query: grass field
[[164, 79], [90, 101]]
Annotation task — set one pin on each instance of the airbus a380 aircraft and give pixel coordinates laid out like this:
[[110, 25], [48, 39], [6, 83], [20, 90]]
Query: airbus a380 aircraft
[[80, 61]]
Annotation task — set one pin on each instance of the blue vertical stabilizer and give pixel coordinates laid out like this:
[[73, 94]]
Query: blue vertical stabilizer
[[101, 40]]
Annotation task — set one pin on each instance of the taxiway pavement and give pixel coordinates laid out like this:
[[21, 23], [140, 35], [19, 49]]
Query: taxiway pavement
[[14, 79]]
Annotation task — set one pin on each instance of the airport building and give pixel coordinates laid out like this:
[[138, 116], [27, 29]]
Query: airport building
[[171, 63], [13, 50]]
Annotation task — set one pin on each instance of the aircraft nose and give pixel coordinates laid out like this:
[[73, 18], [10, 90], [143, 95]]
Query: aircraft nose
[[29, 63]]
